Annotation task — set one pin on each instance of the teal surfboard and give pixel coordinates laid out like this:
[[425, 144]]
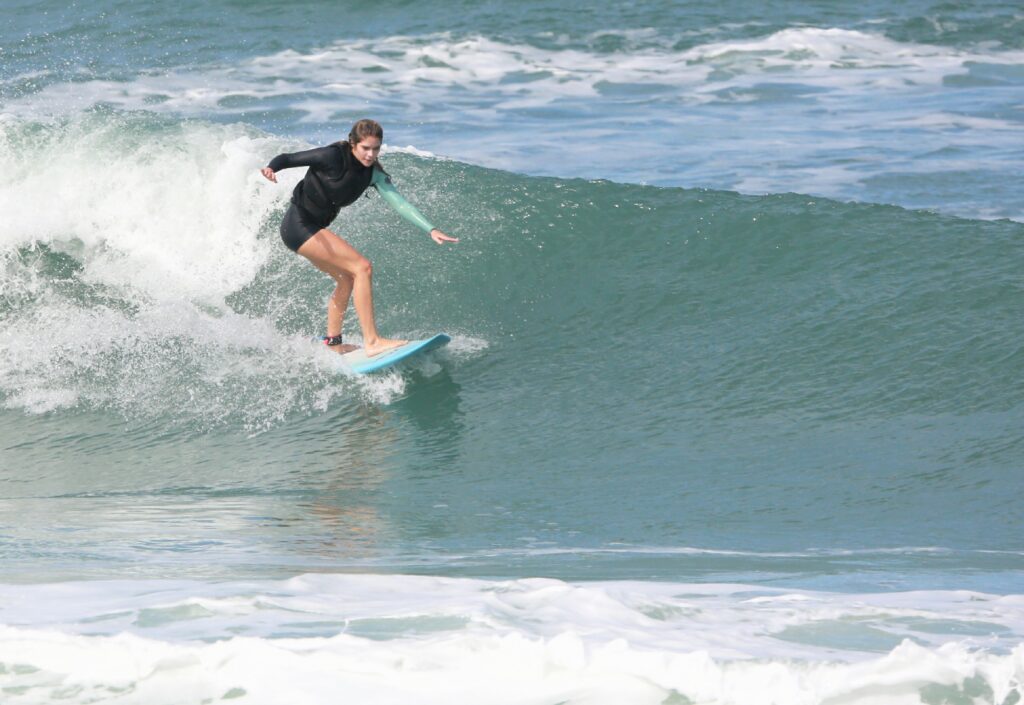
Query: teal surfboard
[[359, 363]]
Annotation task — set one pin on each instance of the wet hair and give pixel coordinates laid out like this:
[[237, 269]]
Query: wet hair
[[363, 129]]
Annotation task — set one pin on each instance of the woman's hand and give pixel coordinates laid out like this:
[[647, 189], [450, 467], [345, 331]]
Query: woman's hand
[[269, 173], [440, 238]]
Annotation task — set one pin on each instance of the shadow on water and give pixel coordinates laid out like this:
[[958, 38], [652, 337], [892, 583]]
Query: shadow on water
[[359, 498], [433, 408], [333, 491]]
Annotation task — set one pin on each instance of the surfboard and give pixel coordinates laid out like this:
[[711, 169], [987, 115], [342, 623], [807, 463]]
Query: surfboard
[[359, 363]]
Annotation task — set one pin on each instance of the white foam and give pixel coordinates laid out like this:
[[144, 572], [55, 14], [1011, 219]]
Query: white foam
[[696, 106], [417, 71], [953, 121], [169, 215], [161, 224], [41, 400], [402, 639], [415, 151]]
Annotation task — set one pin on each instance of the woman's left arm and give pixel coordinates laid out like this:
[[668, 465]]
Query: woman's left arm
[[387, 190]]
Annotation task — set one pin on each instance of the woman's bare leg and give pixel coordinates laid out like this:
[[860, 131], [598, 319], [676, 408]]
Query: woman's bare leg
[[336, 307], [332, 255], [338, 304]]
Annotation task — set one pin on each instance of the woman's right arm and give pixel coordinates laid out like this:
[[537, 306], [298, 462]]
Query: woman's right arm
[[311, 157]]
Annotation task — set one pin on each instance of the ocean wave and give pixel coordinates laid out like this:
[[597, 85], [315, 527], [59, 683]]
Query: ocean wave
[[421, 70], [841, 113], [395, 638], [129, 242], [128, 229]]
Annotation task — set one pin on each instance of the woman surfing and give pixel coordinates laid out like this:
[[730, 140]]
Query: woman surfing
[[339, 174]]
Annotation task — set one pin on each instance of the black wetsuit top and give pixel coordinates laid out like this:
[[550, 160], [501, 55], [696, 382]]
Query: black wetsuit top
[[335, 179]]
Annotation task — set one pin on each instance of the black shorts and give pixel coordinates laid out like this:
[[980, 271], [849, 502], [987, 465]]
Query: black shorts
[[297, 227]]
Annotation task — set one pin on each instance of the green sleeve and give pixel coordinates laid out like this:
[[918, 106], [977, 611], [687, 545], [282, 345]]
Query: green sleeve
[[382, 182]]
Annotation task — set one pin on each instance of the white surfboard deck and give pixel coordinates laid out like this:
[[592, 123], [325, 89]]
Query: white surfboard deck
[[359, 363]]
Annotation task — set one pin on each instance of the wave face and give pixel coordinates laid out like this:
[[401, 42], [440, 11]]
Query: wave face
[[860, 361]]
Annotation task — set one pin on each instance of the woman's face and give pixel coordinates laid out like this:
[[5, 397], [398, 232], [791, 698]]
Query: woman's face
[[367, 150]]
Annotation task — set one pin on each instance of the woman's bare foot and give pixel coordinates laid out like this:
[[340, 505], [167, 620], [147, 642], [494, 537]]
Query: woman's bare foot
[[382, 345], [343, 348]]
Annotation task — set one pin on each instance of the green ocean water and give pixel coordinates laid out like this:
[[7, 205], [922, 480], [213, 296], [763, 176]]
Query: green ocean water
[[633, 367], [732, 410]]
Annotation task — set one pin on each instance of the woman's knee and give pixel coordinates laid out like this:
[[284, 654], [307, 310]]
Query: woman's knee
[[362, 268]]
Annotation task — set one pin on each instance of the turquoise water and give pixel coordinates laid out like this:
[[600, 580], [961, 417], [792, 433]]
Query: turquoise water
[[732, 409]]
